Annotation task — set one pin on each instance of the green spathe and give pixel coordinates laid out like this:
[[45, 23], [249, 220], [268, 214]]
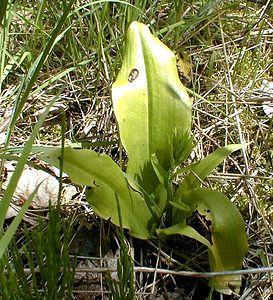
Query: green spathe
[[151, 106]]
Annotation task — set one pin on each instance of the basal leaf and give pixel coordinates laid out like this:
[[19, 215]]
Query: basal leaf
[[197, 172], [226, 231], [149, 103], [183, 229], [105, 181], [200, 170]]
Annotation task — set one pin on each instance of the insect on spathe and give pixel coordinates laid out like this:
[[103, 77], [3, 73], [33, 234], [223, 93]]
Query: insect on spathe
[[133, 75]]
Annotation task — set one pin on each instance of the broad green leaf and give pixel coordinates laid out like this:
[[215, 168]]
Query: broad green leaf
[[226, 230], [184, 229], [149, 103], [180, 205], [197, 172], [105, 182], [229, 242], [204, 167]]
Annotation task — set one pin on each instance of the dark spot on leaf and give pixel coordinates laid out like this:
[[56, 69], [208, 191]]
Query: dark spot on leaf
[[133, 75], [94, 183], [59, 157]]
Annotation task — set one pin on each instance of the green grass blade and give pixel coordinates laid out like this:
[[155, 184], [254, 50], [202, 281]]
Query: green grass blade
[[5, 16], [3, 7], [15, 61]]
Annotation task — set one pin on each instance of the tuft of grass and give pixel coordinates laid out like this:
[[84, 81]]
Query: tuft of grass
[[38, 265], [124, 286]]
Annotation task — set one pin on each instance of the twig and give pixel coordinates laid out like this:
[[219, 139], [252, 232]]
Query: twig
[[170, 272]]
